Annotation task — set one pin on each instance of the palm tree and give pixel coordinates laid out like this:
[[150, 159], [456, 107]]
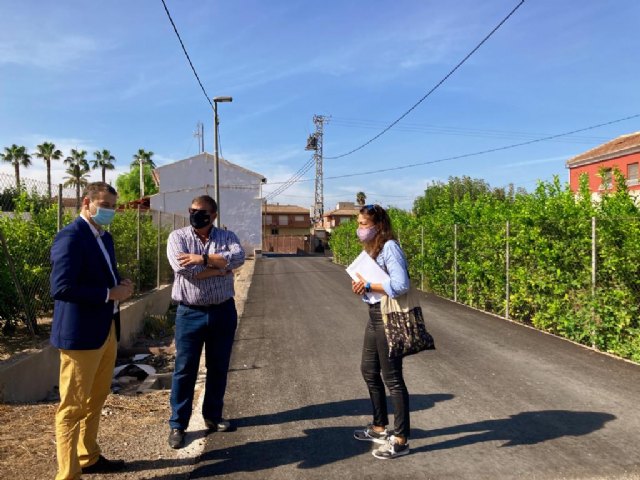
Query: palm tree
[[361, 197], [104, 160], [145, 157], [77, 171], [47, 151], [16, 156]]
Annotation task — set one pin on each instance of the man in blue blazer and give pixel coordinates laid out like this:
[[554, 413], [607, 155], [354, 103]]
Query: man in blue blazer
[[87, 289]]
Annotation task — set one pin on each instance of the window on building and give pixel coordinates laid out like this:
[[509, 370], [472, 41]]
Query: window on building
[[283, 219], [632, 174], [274, 231], [605, 175], [268, 219], [344, 219], [299, 218]]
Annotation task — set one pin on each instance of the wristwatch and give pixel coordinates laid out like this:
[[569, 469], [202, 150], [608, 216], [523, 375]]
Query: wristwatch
[[205, 259], [367, 287]]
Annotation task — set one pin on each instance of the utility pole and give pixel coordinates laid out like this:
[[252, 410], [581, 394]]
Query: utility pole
[[200, 136], [314, 142]]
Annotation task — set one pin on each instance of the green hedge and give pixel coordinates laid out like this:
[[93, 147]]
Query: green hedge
[[29, 232], [549, 250]]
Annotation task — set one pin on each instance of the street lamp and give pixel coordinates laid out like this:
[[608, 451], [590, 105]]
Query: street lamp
[[216, 167]]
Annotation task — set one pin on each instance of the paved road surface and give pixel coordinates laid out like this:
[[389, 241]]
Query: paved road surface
[[495, 401]]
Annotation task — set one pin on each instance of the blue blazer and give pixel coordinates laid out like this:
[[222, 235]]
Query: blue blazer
[[80, 277]]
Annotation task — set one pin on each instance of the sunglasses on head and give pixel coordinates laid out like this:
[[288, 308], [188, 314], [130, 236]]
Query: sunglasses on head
[[372, 208]]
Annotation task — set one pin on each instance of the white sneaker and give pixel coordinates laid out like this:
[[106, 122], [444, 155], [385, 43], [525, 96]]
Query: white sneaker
[[391, 449], [368, 434]]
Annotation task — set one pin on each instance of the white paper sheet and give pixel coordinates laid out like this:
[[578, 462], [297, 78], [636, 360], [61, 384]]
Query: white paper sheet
[[370, 271]]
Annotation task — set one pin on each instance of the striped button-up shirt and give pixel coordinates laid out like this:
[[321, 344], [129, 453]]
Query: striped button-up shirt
[[212, 290]]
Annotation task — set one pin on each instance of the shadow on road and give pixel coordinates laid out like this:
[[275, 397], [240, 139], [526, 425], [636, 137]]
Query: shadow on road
[[318, 447], [310, 448], [361, 406], [526, 428]]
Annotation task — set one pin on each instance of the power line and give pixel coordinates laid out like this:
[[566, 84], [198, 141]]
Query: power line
[[294, 179], [482, 152], [433, 89], [456, 131], [186, 54]]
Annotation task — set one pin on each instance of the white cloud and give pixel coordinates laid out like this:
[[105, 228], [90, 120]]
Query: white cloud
[[53, 51], [538, 161]]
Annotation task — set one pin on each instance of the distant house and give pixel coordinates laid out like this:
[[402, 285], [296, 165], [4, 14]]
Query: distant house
[[622, 153], [343, 212], [285, 220], [240, 194]]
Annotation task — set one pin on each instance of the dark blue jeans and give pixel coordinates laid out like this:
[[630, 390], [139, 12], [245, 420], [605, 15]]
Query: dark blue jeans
[[214, 327], [375, 360]]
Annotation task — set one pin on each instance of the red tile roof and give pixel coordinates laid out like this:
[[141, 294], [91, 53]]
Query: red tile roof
[[623, 145], [277, 208]]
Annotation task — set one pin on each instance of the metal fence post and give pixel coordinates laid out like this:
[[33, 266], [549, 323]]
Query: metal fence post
[[158, 257], [138, 251], [60, 206], [422, 257], [506, 311], [455, 262], [593, 280]]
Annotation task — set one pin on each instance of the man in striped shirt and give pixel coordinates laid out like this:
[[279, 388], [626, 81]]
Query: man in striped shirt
[[203, 258]]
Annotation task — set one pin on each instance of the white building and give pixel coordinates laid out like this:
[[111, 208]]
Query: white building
[[240, 206]]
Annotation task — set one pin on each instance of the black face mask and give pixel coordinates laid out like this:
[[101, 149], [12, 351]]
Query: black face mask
[[199, 219]]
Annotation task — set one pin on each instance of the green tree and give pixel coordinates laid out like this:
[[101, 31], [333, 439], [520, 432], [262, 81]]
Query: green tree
[[17, 156], [128, 184], [47, 151], [104, 161], [77, 172], [143, 156], [361, 198]]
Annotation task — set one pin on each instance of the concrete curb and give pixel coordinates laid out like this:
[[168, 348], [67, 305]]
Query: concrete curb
[[32, 376]]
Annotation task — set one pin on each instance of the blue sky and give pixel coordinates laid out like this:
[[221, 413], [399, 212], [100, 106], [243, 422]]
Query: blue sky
[[97, 75]]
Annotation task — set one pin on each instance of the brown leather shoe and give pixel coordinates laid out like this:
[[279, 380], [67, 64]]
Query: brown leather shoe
[[104, 466]]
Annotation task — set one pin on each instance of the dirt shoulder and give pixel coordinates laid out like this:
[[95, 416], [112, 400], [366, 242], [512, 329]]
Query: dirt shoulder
[[133, 428]]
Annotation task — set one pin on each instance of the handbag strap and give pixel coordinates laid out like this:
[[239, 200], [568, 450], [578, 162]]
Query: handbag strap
[[402, 303]]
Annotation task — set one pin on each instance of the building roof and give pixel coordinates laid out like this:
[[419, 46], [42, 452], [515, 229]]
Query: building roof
[[210, 158], [623, 145], [277, 208], [345, 212]]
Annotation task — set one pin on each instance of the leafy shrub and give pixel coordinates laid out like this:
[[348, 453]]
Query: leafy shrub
[[549, 256]]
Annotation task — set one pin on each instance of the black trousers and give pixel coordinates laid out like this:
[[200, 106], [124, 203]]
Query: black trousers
[[376, 361]]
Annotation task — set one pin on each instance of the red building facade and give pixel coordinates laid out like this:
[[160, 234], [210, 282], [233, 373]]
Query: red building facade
[[598, 163]]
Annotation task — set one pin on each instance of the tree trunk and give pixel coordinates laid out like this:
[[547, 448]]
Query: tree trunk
[[104, 170], [16, 166], [78, 196], [49, 177]]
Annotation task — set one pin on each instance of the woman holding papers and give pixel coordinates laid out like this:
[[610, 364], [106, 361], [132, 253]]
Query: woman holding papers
[[378, 370]]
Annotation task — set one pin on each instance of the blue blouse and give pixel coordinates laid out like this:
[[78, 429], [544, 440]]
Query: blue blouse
[[393, 261]]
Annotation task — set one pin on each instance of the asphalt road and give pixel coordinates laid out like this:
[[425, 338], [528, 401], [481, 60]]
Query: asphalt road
[[495, 400]]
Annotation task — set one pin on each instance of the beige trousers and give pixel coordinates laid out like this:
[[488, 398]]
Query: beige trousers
[[85, 382]]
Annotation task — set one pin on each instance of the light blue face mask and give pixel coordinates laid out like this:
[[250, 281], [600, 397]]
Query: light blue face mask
[[103, 216]]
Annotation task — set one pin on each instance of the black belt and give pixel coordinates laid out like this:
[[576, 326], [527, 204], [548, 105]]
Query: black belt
[[204, 308]]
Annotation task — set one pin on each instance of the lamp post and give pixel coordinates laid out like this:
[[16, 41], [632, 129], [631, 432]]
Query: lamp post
[[216, 166]]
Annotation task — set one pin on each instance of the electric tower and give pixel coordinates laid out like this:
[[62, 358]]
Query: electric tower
[[314, 142]]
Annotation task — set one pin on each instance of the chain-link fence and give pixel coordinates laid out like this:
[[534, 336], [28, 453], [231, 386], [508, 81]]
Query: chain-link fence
[[575, 277], [29, 221]]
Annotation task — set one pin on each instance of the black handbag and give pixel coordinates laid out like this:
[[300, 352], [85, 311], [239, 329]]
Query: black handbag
[[404, 325]]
